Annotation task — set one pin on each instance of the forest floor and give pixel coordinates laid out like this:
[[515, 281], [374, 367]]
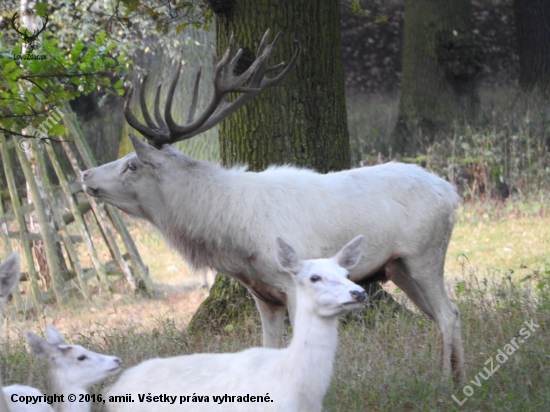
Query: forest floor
[[497, 269]]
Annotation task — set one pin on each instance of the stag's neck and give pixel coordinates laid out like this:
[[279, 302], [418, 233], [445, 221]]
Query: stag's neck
[[310, 357], [206, 214]]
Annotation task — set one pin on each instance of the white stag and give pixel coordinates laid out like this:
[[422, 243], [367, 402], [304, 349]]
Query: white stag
[[227, 219], [294, 379]]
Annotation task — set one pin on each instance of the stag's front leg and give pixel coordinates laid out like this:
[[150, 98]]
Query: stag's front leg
[[273, 317]]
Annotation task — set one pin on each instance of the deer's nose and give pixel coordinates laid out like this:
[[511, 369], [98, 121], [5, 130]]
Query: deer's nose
[[359, 295]]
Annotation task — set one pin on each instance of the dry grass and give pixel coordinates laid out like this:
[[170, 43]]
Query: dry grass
[[385, 363]]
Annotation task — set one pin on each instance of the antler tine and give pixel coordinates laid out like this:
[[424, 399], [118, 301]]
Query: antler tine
[[172, 125], [158, 117], [264, 42], [264, 53], [238, 81], [223, 61], [234, 61], [193, 106], [148, 132], [143, 104], [272, 46], [271, 82]]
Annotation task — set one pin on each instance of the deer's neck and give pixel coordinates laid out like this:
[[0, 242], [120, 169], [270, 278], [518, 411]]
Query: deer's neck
[[55, 386], [310, 357], [205, 214]]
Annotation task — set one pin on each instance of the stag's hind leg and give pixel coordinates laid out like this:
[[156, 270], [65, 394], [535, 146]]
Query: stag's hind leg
[[423, 283]]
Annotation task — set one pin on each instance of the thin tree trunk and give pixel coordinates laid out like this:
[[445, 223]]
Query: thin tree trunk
[[441, 58], [533, 34]]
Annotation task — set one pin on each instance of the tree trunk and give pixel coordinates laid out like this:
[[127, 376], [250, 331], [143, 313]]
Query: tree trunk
[[533, 34], [301, 121], [440, 61]]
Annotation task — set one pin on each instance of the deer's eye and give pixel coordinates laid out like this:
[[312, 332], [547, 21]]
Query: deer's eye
[[132, 167], [315, 278], [82, 357]]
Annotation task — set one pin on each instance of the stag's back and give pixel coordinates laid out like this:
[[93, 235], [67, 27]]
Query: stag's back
[[229, 220]]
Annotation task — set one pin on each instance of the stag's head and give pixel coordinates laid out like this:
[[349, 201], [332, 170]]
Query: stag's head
[[135, 182]]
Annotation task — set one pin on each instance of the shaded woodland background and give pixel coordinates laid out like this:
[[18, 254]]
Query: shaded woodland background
[[372, 50], [372, 60]]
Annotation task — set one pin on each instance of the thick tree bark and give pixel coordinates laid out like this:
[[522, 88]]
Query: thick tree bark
[[303, 121], [533, 34], [440, 61]]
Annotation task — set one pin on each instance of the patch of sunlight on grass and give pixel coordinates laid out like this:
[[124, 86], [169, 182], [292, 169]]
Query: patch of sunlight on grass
[[502, 244]]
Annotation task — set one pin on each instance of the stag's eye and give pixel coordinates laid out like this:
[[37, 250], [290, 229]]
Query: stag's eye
[[347, 276], [82, 357], [132, 167], [315, 278]]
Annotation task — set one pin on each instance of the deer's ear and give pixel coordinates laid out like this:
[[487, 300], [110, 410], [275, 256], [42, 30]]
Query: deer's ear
[[287, 257], [147, 154], [9, 274], [350, 254], [39, 346], [53, 337]]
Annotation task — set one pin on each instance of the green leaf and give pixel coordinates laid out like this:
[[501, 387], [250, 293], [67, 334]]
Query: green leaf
[[460, 288], [40, 8], [100, 38]]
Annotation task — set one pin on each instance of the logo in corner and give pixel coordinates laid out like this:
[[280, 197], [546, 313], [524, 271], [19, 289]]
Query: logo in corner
[[28, 38]]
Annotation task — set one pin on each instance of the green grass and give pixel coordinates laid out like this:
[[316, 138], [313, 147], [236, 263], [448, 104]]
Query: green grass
[[387, 363]]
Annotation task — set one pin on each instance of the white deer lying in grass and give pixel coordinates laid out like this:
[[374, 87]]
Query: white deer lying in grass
[[72, 369], [9, 279], [228, 219], [294, 379]]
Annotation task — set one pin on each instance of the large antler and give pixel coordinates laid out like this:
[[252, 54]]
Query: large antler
[[250, 83]]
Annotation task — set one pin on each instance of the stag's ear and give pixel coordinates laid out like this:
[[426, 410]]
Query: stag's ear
[[146, 153], [287, 257], [350, 254]]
